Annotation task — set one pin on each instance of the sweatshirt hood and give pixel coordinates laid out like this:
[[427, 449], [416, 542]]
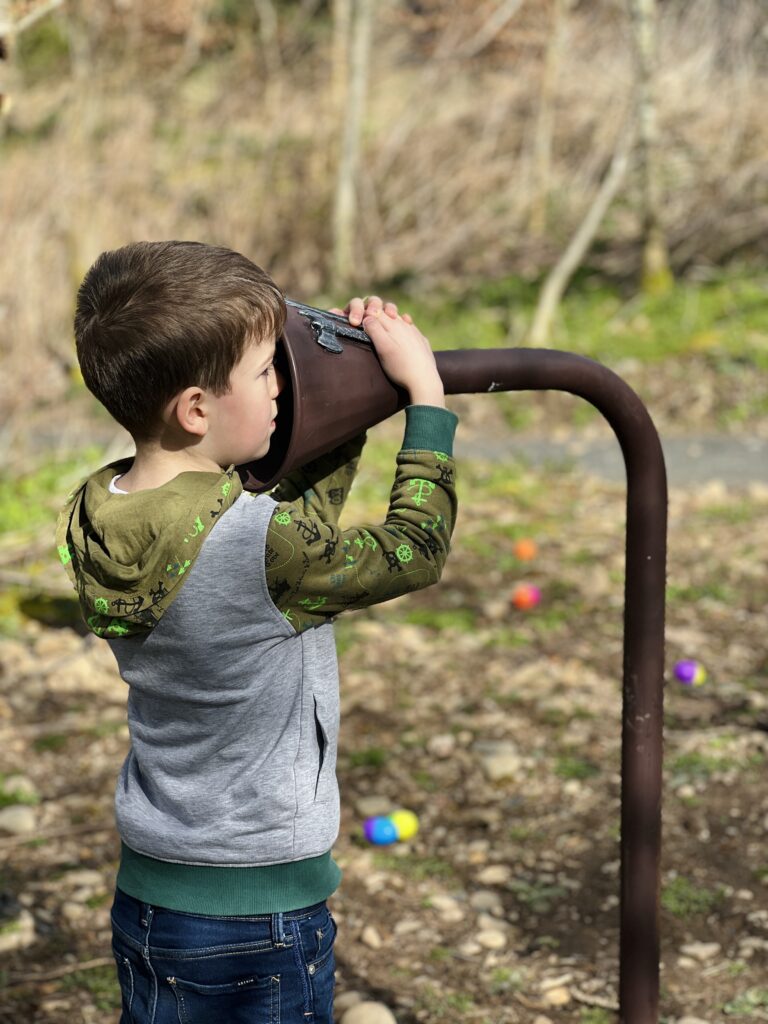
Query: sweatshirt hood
[[127, 554]]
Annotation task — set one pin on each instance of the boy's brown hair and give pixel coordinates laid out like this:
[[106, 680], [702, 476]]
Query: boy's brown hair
[[155, 317]]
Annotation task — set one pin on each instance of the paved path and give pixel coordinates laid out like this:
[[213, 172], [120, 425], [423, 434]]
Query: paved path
[[735, 461]]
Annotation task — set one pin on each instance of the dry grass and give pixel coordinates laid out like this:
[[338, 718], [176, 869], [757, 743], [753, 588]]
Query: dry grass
[[134, 137]]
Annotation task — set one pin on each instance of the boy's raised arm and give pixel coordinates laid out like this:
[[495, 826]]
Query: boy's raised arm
[[314, 569], [322, 486]]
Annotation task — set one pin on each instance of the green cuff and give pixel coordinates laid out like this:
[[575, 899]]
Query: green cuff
[[429, 428]]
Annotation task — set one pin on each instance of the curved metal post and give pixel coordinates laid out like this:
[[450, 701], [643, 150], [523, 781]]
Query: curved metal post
[[488, 370]]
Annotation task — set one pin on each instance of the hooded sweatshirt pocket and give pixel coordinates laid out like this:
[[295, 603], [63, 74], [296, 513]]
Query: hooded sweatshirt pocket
[[322, 743]]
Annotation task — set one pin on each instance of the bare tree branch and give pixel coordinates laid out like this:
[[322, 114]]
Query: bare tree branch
[[22, 980], [503, 14], [560, 275], [8, 27]]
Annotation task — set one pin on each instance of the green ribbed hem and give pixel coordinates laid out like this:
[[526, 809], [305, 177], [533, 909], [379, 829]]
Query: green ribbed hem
[[222, 891], [429, 428]]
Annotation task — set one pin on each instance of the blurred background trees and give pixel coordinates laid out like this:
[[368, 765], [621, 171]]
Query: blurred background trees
[[406, 145]]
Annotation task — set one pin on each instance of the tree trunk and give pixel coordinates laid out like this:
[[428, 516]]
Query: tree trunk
[[545, 121], [346, 201], [656, 276], [5, 56]]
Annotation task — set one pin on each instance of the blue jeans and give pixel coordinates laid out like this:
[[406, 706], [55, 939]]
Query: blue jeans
[[177, 968]]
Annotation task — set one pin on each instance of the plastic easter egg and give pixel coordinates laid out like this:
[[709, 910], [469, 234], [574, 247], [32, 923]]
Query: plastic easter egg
[[526, 596], [406, 824], [525, 549], [380, 831], [690, 672]]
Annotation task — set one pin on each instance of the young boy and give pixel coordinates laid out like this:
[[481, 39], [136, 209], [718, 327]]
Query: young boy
[[218, 605]]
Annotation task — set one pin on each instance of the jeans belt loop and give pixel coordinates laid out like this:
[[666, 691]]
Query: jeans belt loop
[[278, 930]]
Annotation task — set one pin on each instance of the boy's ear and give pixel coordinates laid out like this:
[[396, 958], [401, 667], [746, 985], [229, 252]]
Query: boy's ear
[[189, 410]]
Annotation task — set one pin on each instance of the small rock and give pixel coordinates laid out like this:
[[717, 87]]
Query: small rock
[[408, 926], [487, 902], [744, 894], [491, 938], [447, 907], [345, 1001], [541, 1019], [18, 820], [368, 1013], [470, 948], [373, 806], [558, 982], [85, 878], [485, 922], [73, 912], [701, 950], [494, 874], [371, 938], [442, 747], [499, 759], [691, 1020], [686, 791], [17, 933], [687, 962], [559, 996]]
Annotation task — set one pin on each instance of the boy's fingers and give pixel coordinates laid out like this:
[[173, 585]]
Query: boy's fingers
[[374, 304], [339, 312], [408, 318], [355, 310], [390, 308]]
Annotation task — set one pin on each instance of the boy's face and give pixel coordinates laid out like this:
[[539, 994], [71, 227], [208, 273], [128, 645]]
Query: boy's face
[[243, 419]]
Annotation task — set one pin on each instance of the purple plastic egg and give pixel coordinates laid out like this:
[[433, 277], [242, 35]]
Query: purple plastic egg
[[690, 672]]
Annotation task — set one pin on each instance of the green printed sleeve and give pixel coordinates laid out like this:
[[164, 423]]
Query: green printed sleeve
[[322, 486], [316, 570]]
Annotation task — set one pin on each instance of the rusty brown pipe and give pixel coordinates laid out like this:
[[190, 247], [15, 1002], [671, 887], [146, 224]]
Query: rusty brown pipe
[[490, 370], [335, 389]]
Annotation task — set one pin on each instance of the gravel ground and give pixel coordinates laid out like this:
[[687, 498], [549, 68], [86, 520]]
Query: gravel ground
[[500, 729]]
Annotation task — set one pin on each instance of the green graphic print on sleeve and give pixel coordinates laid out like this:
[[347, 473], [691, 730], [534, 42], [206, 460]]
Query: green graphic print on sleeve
[[316, 570]]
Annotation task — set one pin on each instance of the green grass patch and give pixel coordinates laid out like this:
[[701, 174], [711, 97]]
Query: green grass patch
[[13, 797], [100, 983], [459, 620], [695, 765], [413, 866], [725, 318], [571, 766], [31, 500], [682, 898], [506, 979], [746, 1002], [595, 1015], [445, 1004], [52, 741], [539, 897], [369, 757], [690, 593]]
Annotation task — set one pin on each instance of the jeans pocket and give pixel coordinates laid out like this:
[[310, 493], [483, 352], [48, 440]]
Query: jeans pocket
[[243, 1001], [126, 981]]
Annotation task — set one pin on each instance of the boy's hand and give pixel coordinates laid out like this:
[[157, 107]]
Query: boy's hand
[[405, 354], [356, 309]]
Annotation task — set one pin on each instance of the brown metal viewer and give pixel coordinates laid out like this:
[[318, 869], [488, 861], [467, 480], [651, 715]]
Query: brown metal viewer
[[335, 388]]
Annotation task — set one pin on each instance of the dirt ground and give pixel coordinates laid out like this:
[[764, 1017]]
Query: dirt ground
[[500, 728]]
